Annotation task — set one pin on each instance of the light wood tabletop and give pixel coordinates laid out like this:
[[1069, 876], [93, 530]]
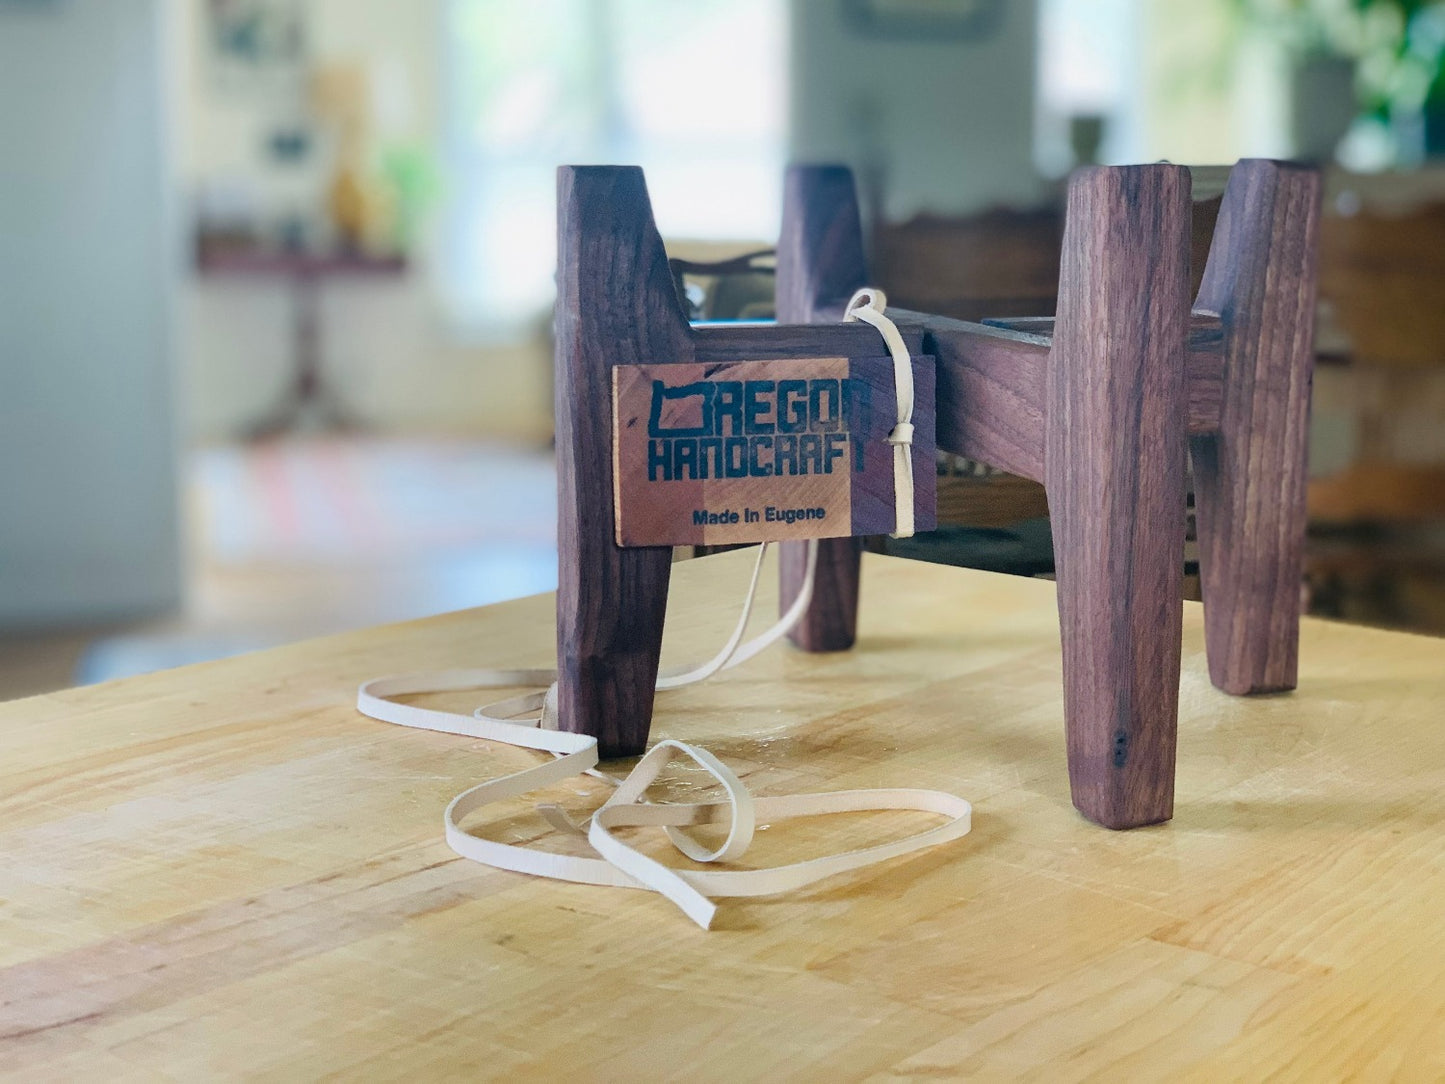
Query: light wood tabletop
[[224, 869]]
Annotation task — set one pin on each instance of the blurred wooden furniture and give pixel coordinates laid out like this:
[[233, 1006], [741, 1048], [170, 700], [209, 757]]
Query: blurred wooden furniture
[[1377, 505], [1382, 276], [307, 400], [1000, 261], [995, 263], [224, 870]]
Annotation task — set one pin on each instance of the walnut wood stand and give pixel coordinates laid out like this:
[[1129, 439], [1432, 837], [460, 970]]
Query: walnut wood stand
[[1104, 405]]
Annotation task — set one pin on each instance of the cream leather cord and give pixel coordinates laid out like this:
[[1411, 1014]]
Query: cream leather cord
[[868, 305], [530, 721]]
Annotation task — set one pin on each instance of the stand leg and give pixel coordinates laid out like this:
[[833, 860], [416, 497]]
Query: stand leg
[[1249, 478], [820, 265], [616, 305], [1115, 472], [831, 620]]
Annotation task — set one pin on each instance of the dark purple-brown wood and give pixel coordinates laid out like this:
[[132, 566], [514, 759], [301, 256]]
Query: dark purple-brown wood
[[820, 266], [760, 342], [1099, 404], [1203, 371], [991, 384], [990, 391], [1249, 476], [616, 305], [1114, 470]]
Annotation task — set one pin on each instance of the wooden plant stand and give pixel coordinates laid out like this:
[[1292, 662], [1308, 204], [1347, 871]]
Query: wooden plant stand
[[1103, 404]]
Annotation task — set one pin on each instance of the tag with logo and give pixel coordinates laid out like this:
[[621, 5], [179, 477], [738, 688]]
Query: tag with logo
[[761, 451]]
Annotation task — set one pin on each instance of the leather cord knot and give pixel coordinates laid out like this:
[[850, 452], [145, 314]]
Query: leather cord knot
[[869, 305]]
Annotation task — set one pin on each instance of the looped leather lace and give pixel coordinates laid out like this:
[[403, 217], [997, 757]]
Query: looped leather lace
[[530, 721]]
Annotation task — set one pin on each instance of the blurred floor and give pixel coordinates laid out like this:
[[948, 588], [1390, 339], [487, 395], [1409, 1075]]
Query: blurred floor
[[309, 536], [33, 663]]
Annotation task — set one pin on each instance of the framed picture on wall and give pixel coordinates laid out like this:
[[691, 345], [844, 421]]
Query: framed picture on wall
[[256, 46], [934, 20]]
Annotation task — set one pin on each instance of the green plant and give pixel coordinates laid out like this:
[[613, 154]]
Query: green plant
[[1398, 46]]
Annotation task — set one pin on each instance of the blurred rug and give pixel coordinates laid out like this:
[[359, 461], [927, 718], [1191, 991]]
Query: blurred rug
[[305, 537], [359, 500]]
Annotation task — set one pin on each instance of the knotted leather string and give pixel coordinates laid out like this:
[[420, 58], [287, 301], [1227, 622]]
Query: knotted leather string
[[868, 305], [620, 864]]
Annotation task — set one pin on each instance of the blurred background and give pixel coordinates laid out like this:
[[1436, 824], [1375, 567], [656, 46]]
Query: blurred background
[[276, 275]]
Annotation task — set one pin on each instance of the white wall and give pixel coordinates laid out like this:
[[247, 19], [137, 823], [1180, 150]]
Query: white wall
[[88, 494], [952, 120], [389, 347], [1208, 88]]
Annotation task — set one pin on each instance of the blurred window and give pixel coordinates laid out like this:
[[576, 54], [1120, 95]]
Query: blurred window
[[693, 92], [1086, 63]]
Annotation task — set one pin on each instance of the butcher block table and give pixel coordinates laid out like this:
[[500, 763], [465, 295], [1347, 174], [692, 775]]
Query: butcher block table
[[225, 870]]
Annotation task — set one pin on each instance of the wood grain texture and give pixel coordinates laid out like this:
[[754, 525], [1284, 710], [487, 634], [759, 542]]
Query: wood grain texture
[[751, 342], [990, 391], [820, 266], [616, 305], [1115, 469], [1250, 477], [992, 384], [739, 458], [1204, 365], [224, 871], [820, 249], [998, 500], [1099, 409]]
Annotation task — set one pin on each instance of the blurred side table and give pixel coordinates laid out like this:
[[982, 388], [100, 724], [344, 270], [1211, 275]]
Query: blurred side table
[[307, 401]]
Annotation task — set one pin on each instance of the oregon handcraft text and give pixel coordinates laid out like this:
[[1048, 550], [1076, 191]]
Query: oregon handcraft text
[[756, 429]]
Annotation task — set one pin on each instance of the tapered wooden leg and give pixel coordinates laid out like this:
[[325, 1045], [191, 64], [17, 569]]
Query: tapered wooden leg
[[1115, 470], [1249, 477], [831, 620], [820, 265], [616, 305]]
